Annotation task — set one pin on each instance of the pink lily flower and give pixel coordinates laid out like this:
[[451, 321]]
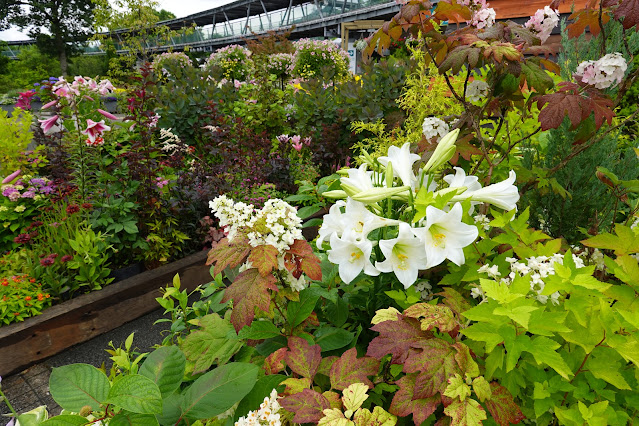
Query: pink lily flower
[[297, 142], [94, 129], [11, 177], [49, 125], [107, 114]]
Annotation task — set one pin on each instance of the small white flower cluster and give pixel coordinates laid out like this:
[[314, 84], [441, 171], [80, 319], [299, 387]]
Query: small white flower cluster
[[361, 44], [543, 22], [604, 73], [171, 143], [483, 16], [482, 220], [477, 90], [539, 267], [425, 290], [267, 415], [434, 127], [277, 224]]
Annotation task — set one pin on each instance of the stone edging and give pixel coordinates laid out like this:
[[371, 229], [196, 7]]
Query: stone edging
[[84, 317]]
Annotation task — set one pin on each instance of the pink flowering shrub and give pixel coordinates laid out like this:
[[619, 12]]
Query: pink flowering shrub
[[313, 56], [234, 61]]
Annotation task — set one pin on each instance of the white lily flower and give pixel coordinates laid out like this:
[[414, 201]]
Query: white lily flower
[[332, 223], [402, 160], [360, 221], [502, 194], [445, 235], [358, 180], [352, 255], [405, 256], [459, 179]]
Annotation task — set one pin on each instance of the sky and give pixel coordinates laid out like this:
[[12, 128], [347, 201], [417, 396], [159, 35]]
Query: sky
[[179, 7]]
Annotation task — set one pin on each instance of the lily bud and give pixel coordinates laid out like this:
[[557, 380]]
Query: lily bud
[[10, 179], [107, 114], [49, 104], [377, 194], [389, 175], [444, 151], [336, 194]]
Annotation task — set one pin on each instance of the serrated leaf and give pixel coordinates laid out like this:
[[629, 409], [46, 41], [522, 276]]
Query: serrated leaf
[[349, 369], [215, 342], [137, 394], [586, 18], [308, 261], [264, 258], [543, 350], [250, 290], [629, 11], [274, 363], [354, 396], [431, 316], [76, 385], [482, 388], [303, 358], [218, 390], [502, 407], [396, 338], [388, 314], [334, 417], [404, 402], [379, 417], [226, 253], [603, 368], [307, 405], [293, 385], [467, 412], [536, 77], [165, 367], [457, 388], [435, 363]]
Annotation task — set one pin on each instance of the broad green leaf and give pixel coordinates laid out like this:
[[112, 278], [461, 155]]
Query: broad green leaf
[[543, 350], [132, 419], [519, 314], [467, 412], [33, 417], [483, 332], [547, 323], [498, 291], [297, 312], [66, 420], [255, 397], [171, 410], [457, 388], [330, 338], [379, 417], [165, 366], [259, 330], [607, 369], [215, 342], [137, 394], [218, 390], [77, 385], [354, 396]]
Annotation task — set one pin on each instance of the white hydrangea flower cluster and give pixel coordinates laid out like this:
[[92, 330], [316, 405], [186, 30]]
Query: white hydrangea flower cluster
[[539, 267], [543, 22], [425, 290], [483, 16], [482, 221], [477, 90], [277, 224], [267, 415], [604, 73], [435, 127], [233, 215]]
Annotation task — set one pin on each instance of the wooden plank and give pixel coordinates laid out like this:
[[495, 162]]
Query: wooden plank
[[509, 9], [90, 315]]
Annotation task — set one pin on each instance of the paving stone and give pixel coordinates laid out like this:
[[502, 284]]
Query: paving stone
[[40, 380]]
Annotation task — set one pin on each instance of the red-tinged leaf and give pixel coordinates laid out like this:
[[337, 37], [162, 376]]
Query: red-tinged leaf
[[334, 399], [264, 258], [397, 338], [602, 107], [395, 31], [249, 291], [293, 385], [227, 253], [308, 406], [629, 11], [464, 149], [404, 402], [455, 301], [459, 56], [308, 261], [435, 364], [502, 406], [274, 363], [349, 369], [431, 316], [452, 12], [551, 66], [586, 18], [326, 365], [500, 51], [303, 358]]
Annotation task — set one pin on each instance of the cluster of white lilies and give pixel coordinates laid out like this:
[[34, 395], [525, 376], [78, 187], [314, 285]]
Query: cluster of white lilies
[[420, 244]]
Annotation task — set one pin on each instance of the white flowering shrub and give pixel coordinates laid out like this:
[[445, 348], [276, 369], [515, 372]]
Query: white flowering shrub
[[603, 73], [543, 22], [234, 61], [266, 415], [311, 56], [160, 62]]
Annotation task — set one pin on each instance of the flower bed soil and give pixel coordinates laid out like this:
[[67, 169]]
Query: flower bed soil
[[87, 316]]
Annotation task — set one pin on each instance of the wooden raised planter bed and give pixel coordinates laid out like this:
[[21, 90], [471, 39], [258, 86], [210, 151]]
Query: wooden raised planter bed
[[87, 316]]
